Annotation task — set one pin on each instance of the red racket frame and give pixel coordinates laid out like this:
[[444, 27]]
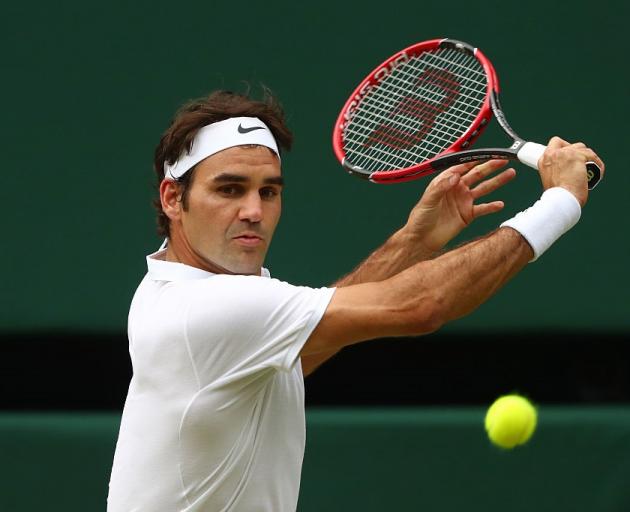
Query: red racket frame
[[382, 70]]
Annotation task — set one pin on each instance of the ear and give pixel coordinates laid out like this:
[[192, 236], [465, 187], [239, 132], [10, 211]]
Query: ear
[[171, 199]]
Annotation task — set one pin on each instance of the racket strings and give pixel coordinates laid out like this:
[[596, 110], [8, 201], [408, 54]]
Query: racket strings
[[421, 108], [431, 91], [412, 107]]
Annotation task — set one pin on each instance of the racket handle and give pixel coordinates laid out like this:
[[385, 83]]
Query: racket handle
[[531, 152]]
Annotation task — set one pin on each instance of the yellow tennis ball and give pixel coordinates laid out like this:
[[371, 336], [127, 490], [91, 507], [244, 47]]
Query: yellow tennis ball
[[510, 421]]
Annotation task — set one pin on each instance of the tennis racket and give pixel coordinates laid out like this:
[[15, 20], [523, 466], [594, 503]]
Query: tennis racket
[[421, 110]]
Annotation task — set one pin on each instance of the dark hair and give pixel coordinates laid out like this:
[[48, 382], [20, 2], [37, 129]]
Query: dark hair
[[193, 116]]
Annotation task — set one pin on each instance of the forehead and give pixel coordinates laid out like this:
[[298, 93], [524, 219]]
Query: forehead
[[250, 161]]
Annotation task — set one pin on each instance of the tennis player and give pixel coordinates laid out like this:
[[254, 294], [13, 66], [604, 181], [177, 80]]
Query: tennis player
[[214, 417]]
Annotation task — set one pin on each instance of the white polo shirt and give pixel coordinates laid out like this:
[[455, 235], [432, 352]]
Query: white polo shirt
[[214, 417]]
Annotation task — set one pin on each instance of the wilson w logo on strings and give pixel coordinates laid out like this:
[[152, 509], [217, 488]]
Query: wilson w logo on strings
[[435, 91]]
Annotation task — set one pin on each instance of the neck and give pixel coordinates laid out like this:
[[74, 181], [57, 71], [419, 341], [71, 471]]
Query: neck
[[203, 264]]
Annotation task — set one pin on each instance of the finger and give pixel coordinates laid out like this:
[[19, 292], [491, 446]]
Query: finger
[[462, 168], [488, 186], [479, 210], [481, 171], [593, 157], [444, 175], [439, 186], [557, 143], [588, 153]]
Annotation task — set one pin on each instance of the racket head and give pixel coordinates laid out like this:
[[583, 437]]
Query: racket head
[[422, 103]]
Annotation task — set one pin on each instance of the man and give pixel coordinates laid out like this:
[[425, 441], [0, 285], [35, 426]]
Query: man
[[214, 418]]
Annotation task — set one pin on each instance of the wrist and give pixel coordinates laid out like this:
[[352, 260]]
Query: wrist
[[575, 189], [418, 246], [557, 211]]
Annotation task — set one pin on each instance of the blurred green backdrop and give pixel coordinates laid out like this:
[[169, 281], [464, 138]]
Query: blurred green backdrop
[[436, 460], [88, 87]]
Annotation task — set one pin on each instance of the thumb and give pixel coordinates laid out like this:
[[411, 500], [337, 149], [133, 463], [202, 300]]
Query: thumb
[[438, 188]]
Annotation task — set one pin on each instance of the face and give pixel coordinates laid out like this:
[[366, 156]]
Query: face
[[233, 207]]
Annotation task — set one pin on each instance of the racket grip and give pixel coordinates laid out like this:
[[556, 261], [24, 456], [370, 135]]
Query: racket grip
[[531, 152]]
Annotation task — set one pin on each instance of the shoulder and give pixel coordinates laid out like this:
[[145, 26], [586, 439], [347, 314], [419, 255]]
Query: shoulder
[[241, 287], [246, 299]]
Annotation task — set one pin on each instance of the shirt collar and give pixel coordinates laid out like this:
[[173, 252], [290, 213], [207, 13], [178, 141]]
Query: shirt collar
[[161, 270]]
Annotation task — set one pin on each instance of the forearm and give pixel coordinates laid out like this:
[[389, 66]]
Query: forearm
[[399, 252], [424, 297], [460, 280]]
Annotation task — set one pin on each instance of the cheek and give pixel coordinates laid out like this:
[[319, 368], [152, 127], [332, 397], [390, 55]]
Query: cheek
[[271, 214], [278, 210], [215, 217], [202, 214]]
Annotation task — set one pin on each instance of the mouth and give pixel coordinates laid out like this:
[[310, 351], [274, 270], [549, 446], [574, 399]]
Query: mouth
[[248, 239]]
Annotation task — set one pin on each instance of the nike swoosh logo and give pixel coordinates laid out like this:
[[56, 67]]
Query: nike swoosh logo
[[247, 130]]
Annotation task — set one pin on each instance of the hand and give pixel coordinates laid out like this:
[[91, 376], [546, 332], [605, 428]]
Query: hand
[[563, 165], [447, 205]]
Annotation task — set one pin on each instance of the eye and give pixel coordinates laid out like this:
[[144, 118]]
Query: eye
[[230, 190], [269, 192]]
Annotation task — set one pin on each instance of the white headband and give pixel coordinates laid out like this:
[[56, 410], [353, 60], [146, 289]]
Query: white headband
[[235, 131]]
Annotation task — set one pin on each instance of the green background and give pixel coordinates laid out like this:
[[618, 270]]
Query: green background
[[88, 87], [360, 460]]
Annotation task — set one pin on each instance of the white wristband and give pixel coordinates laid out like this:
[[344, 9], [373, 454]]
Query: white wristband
[[547, 219]]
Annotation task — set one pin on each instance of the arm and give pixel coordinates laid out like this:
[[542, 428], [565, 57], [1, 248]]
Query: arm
[[398, 253], [429, 294], [446, 207], [422, 298], [444, 210]]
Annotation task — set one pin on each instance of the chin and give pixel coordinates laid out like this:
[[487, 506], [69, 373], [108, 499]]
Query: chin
[[247, 269], [244, 266]]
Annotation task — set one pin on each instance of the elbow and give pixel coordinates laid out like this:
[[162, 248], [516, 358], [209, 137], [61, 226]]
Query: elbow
[[426, 316]]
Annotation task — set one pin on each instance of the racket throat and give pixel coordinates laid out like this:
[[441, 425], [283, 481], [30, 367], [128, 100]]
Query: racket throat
[[495, 105]]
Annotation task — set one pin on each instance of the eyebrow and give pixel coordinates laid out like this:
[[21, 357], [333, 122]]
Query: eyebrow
[[226, 177]]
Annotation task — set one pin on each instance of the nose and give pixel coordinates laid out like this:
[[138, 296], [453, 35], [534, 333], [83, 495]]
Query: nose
[[251, 208]]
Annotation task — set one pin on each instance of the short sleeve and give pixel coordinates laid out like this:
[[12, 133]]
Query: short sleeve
[[244, 324]]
